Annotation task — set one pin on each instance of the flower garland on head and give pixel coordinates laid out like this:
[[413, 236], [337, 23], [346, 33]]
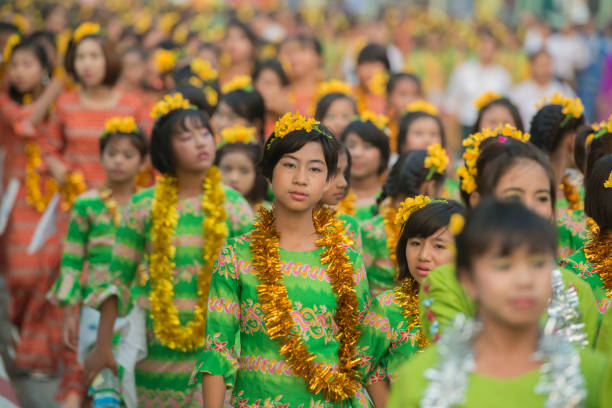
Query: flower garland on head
[[571, 107], [84, 30], [608, 182], [379, 120], [165, 60], [436, 161], [332, 86], [486, 98], [120, 124], [237, 134], [204, 76], [599, 129], [238, 82], [170, 103], [468, 172], [291, 122], [422, 106], [276, 305], [12, 42], [166, 323]]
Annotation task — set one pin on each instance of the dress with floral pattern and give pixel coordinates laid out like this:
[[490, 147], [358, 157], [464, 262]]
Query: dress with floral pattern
[[586, 271], [380, 268], [573, 231]]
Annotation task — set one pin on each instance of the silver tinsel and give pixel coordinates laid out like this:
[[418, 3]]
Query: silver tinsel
[[564, 317]]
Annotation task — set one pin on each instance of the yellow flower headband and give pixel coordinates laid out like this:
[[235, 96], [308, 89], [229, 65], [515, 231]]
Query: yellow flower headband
[[291, 122], [165, 60], [85, 29], [120, 124], [238, 82], [11, 43], [485, 99], [571, 107], [456, 224], [170, 103], [599, 129], [436, 161], [379, 120], [203, 69], [608, 183], [422, 106], [412, 204], [333, 86], [237, 134], [468, 172]]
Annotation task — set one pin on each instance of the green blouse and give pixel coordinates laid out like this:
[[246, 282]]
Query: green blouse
[[365, 212], [380, 268], [353, 230], [604, 339], [587, 272], [572, 231], [442, 298], [263, 376]]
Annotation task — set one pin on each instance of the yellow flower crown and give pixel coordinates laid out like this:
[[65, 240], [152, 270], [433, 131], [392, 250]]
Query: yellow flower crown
[[120, 124], [485, 99], [170, 103], [22, 23], [608, 182], [203, 69], [237, 134], [422, 106], [238, 82], [378, 83], [436, 161], [333, 86], [212, 97], [165, 60], [468, 172], [379, 120], [456, 224], [412, 204], [291, 122], [85, 29], [599, 129], [11, 43], [571, 107]]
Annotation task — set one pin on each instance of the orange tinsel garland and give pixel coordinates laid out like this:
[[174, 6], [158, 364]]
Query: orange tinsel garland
[[407, 294]]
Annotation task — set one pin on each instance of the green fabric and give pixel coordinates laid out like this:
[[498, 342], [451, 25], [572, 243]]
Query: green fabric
[[365, 212], [585, 271], [263, 376], [572, 232], [451, 189], [88, 247], [442, 298], [487, 392], [604, 339], [380, 268], [162, 378], [353, 230]]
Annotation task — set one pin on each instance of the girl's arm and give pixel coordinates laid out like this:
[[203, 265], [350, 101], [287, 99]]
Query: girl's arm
[[213, 390], [41, 106], [379, 392], [101, 356]]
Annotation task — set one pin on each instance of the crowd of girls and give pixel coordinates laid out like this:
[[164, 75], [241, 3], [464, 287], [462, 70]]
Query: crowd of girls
[[190, 223]]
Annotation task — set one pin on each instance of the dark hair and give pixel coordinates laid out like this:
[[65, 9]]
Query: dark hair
[[162, 154], [253, 151], [374, 53], [423, 223], [39, 52], [248, 105], [408, 175], [272, 65], [406, 121], [597, 198], [401, 76], [497, 156], [349, 162], [294, 141], [506, 103], [246, 30], [546, 130], [112, 62], [137, 139], [327, 101], [197, 97], [43, 36], [305, 40], [5, 26], [580, 146], [598, 148], [370, 133], [505, 227], [209, 46]]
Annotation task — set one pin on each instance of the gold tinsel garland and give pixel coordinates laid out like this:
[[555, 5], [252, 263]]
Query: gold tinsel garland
[[111, 204], [407, 294], [393, 232], [168, 328], [277, 308], [598, 252], [347, 204]]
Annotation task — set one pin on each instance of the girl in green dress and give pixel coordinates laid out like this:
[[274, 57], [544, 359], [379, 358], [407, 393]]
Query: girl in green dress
[[369, 148], [176, 229], [505, 358], [290, 289], [415, 172], [89, 242]]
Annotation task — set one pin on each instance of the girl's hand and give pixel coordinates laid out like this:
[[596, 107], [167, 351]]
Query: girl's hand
[[70, 331], [98, 359], [59, 171]]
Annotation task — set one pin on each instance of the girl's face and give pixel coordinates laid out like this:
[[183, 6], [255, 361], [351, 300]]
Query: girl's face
[[302, 59], [121, 160], [425, 254], [527, 182], [225, 117], [194, 148], [89, 62], [496, 115], [338, 184], [512, 289], [238, 45], [269, 85], [133, 69], [299, 179], [422, 133], [366, 71], [237, 171], [339, 115], [365, 156], [25, 71], [404, 92]]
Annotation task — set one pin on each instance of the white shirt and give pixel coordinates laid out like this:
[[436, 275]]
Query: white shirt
[[528, 93], [468, 81], [569, 54]]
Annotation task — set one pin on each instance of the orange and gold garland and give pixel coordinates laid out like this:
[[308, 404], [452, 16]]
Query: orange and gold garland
[[276, 305], [347, 204], [407, 294], [598, 252], [393, 232], [166, 323]]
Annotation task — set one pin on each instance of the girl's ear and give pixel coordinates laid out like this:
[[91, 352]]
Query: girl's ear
[[474, 199]]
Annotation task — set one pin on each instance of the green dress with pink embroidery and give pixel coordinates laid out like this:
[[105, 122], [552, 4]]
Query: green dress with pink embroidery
[[380, 268], [162, 378], [572, 231], [264, 377]]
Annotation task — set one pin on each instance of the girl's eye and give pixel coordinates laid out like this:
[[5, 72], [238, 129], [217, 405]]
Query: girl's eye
[[414, 243], [544, 199], [538, 262], [316, 170], [503, 265], [440, 246], [288, 165]]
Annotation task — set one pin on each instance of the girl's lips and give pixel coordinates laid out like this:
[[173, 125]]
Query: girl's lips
[[523, 302], [202, 156], [298, 196], [422, 271]]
